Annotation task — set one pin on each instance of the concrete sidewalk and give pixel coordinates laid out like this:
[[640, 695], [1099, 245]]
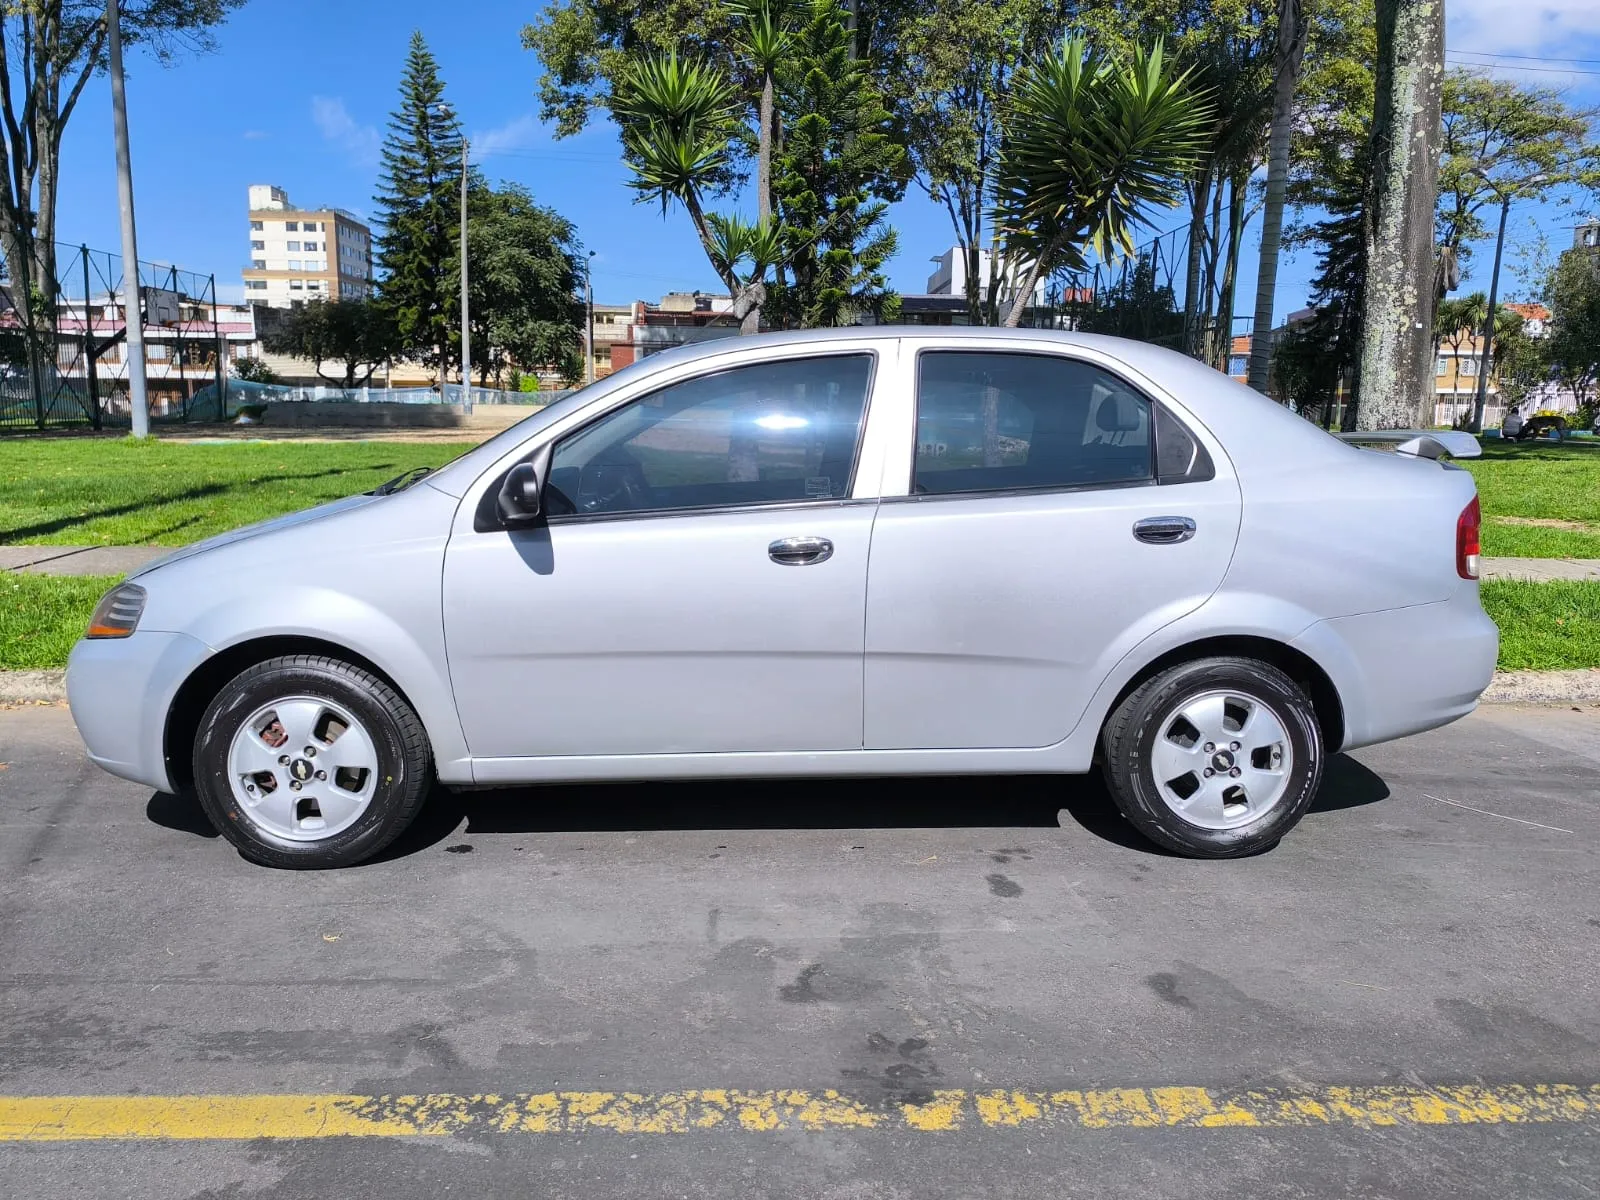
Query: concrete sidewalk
[[79, 560], [1540, 570]]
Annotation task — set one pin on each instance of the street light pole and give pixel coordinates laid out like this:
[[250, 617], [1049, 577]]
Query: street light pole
[[132, 318], [1487, 347], [466, 327], [588, 304]]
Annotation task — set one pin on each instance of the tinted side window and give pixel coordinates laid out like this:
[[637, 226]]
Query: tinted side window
[[988, 421], [765, 433]]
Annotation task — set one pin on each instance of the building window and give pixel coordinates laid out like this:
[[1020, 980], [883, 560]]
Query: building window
[[258, 245], [294, 247], [260, 264], [296, 285], [291, 226], [1238, 364], [313, 285], [255, 227], [311, 227], [1469, 364], [260, 285], [1441, 365]]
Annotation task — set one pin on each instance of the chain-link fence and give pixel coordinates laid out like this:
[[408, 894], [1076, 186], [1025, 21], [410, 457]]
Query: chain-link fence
[[63, 350]]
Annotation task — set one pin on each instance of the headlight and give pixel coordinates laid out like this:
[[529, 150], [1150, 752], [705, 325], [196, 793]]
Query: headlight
[[117, 615]]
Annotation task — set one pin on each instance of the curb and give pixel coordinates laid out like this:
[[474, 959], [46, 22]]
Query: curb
[[1509, 687], [33, 687]]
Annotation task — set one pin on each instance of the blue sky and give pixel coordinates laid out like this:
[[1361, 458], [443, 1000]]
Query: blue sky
[[298, 92]]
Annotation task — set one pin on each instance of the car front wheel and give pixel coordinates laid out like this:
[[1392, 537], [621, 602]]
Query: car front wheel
[[1216, 758], [305, 761]]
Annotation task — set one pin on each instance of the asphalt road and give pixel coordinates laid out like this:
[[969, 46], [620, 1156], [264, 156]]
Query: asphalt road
[[881, 947]]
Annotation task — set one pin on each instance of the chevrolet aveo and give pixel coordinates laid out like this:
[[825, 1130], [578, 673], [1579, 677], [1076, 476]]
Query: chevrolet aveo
[[879, 551]]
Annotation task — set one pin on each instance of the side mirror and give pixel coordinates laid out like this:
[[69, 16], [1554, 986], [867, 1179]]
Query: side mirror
[[518, 502]]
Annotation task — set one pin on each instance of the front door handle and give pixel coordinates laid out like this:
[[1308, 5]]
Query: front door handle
[[1164, 531], [800, 551]]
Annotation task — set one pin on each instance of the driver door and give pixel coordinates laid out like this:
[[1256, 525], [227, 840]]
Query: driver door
[[698, 585]]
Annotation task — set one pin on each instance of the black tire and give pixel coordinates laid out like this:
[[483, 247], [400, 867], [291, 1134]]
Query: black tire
[[404, 759], [1131, 730]]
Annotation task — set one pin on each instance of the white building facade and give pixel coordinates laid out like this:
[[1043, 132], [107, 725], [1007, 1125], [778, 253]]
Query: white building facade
[[300, 255]]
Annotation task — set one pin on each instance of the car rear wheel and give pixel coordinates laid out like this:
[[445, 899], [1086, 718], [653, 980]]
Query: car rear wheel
[[1215, 758], [310, 762]]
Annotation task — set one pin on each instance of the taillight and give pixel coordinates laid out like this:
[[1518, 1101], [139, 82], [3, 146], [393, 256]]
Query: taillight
[[1468, 526]]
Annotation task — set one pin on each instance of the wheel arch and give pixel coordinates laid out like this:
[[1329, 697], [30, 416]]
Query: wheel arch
[[1296, 664], [207, 679]]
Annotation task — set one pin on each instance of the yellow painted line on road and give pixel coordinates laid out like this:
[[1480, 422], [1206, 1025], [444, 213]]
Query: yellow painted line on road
[[244, 1117]]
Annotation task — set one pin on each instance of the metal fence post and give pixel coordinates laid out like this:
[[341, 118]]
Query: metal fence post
[[221, 371], [33, 345], [91, 349]]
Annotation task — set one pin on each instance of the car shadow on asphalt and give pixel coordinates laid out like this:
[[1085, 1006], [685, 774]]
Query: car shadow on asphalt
[[926, 802]]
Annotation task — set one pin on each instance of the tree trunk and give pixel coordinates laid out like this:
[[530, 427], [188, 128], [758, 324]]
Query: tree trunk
[[1030, 280], [1198, 195], [1291, 48], [1396, 382], [764, 152], [1237, 195]]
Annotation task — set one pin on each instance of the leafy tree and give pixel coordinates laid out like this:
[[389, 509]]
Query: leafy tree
[[679, 121], [418, 205], [956, 63], [763, 40], [49, 50], [589, 47], [1502, 140], [1292, 30], [839, 168], [1521, 362], [524, 280], [356, 334], [1573, 294], [1093, 144], [253, 370]]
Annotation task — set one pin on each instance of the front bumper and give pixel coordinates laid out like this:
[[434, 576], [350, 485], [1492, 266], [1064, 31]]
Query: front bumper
[[121, 690], [1404, 670]]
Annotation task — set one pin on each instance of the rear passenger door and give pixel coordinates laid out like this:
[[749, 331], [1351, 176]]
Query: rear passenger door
[[1052, 516]]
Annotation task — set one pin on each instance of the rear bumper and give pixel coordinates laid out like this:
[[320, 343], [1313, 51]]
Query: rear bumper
[[1404, 670], [121, 690]]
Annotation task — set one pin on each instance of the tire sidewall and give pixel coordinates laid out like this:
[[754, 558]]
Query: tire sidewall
[[261, 686], [1140, 790]]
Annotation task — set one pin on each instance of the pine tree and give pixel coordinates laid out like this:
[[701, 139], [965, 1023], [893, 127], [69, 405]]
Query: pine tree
[[838, 169], [418, 204]]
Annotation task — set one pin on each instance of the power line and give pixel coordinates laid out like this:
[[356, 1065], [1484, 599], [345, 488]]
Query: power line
[[1595, 62], [1513, 67]]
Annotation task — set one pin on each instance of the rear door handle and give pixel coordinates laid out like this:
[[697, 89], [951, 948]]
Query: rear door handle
[[1164, 531], [800, 551]]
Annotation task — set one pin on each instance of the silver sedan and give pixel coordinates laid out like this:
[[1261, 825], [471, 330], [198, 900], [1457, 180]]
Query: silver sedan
[[871, 551]]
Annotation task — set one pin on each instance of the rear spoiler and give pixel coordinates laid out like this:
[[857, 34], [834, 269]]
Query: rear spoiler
[[1420, 443]]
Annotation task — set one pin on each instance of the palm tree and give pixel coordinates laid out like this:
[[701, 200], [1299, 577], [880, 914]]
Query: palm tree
[[763, 38], [678, 123], [1092, 143]]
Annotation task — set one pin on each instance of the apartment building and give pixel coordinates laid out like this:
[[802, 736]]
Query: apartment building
[[297, 255]]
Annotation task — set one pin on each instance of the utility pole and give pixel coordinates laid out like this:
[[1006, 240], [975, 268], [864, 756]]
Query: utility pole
[[132, 317], [466, 326], [588, 307], [1396, 364]]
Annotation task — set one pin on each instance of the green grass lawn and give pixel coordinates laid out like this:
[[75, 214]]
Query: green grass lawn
[[1543, 482], [1543, 626], [41, 616], [104, 492]]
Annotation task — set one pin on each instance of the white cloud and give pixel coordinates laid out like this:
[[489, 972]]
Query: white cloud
[[359, 141], [1547, 27], [520, 133]]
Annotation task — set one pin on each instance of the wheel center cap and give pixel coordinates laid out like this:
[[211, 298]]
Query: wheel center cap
[[301, 769], [1222, 760]]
